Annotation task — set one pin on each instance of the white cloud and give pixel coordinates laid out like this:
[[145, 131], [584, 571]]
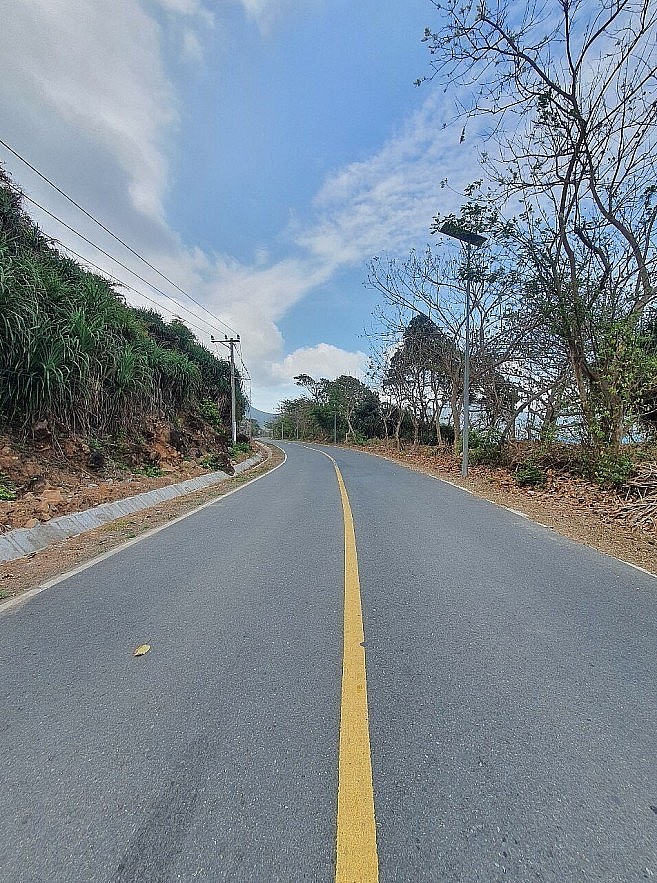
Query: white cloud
[[323, 360], [189, 8], [182, 7], [265, 13], [387, 202], [98, 67], [192, 49]]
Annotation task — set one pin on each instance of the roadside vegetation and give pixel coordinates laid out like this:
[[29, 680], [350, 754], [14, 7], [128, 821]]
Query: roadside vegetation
[[77, 362]]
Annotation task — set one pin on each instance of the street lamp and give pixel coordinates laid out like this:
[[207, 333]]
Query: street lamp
[[469, 239]]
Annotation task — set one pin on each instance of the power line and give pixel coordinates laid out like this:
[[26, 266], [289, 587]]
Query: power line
[[126, 286], [107, 230], [123, 266], [241, 358]]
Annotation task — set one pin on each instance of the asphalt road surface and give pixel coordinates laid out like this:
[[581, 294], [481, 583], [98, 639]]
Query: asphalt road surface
[[511, 685]]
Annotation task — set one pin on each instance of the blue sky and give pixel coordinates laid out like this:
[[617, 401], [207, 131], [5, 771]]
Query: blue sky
[[259, 152]]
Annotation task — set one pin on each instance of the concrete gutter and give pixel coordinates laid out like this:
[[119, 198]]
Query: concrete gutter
[[25, 540]]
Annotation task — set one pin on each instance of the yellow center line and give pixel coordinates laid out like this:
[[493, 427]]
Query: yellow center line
[[357, 859]]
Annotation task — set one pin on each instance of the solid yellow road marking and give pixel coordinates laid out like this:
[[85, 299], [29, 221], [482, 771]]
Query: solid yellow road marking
[[357, 859]]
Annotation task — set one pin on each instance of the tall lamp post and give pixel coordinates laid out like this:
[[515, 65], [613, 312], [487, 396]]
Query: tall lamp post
[[468, 239]]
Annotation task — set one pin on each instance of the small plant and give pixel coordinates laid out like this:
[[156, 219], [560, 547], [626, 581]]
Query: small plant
[[528, 475], [210, 413], [213, 461], [7, 489], [117, 524], [486, 448], [240, 448], [149, 471], [613, 469]]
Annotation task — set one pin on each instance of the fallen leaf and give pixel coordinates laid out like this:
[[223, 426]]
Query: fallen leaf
[[142, 650]]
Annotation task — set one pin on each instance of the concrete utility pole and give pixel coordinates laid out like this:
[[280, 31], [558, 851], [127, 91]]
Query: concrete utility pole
[[230, 342]]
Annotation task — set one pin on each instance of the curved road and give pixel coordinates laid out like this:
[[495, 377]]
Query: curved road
[[511, 685]]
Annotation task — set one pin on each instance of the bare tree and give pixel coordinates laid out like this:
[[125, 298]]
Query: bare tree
[[572, 88], [432, 286]]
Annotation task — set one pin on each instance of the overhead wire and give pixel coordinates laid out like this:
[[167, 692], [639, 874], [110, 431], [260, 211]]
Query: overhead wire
[[107, 230], [87, 213], [125, 267], [241, 358], [248, 376], [126, 286]]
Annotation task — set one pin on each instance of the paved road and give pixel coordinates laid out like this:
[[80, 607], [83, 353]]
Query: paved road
[[512, 684]]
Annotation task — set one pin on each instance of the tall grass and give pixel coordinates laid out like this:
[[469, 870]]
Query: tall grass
[[73, 354]]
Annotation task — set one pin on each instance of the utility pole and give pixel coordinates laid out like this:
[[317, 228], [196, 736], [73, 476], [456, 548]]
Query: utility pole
[[230, 342]]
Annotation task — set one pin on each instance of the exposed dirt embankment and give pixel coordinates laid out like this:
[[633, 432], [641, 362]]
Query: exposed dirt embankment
[[50, 476], [16, 577]]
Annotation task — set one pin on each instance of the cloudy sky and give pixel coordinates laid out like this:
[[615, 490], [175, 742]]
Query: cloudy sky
[[257, 152]]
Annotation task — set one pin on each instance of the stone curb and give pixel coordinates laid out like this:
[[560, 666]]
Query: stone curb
[[25, 540]]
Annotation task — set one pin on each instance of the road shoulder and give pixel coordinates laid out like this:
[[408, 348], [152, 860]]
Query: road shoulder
[[33, 570], [593, 529]]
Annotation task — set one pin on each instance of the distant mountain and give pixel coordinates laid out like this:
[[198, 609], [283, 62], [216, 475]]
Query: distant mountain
[[262, 417]]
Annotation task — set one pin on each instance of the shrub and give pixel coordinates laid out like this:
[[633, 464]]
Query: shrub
[[149, 471], [613, 469], [486, 448], [240, 448], [7, 489], [210, 413], [528, 475], [213, 461]]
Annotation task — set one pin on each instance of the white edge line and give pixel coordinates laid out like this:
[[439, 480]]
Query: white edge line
[[544, 526], [501, 506], [10, 605]]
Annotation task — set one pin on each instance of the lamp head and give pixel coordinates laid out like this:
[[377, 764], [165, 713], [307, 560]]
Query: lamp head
[[449, 228]]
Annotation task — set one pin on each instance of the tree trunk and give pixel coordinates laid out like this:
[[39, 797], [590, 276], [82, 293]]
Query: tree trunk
[[439, 434], [455, 407], [398, 428]]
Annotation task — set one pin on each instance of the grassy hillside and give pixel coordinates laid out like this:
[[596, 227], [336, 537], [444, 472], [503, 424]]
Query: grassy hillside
[[75, 356]]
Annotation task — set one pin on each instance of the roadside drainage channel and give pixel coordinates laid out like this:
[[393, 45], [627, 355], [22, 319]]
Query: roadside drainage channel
[[25, 540]]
